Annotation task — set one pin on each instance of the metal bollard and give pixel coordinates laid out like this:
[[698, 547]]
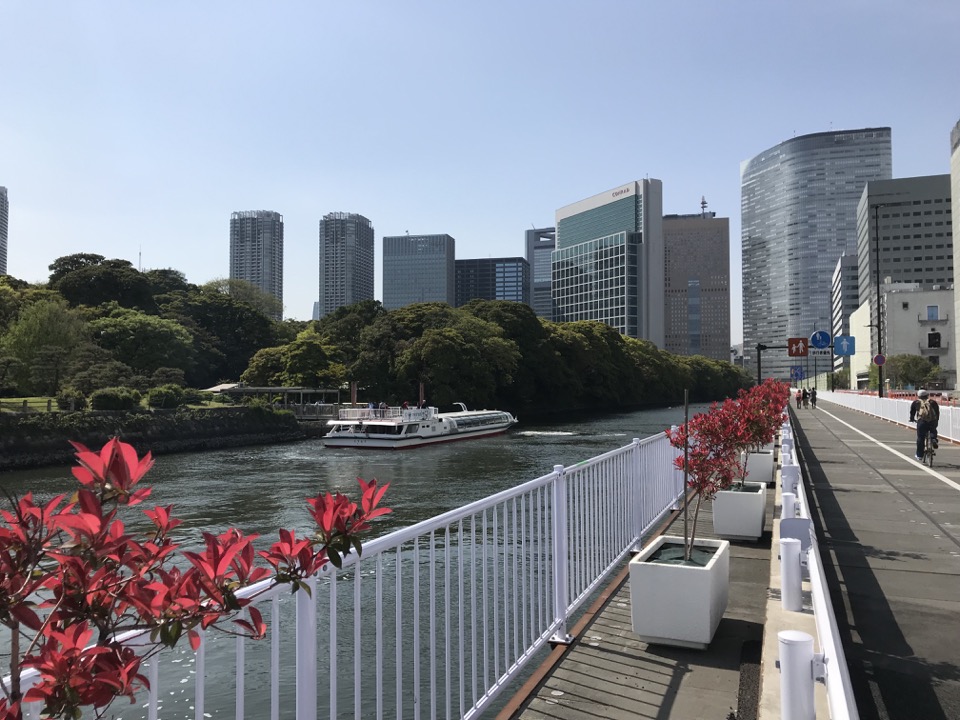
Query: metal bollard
[[786, 448], [791, 596], [790, 476], [789, 506], [796, 675]]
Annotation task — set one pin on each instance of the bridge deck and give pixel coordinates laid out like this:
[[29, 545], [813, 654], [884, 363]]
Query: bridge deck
[[889, 535]]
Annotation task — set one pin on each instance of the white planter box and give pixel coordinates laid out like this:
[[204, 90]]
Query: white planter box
[[741, 514], [760, 466], [679, 604]]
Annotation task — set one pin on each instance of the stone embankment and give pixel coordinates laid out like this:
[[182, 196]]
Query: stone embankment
[[38, 439]]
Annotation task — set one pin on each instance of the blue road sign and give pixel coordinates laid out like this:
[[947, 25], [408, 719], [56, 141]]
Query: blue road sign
[[820, 339], [796, 372], [844, 345]]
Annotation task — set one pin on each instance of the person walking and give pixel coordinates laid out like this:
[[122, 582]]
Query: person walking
[[813, 398], [799, 398], [806, 397], [925, 411]]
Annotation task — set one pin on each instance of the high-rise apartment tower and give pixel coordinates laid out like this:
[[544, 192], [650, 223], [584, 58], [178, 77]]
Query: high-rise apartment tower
[[256, 250], [346, 261], [799, 215]]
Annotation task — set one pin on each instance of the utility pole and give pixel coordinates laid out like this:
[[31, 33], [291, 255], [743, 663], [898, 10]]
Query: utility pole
[[876, 227]]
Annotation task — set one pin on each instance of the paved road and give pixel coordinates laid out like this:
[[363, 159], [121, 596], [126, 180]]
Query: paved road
[[889, 535]]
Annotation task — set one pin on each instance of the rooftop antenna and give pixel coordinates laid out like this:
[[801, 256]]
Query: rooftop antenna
[[140, 258], [703, 205]]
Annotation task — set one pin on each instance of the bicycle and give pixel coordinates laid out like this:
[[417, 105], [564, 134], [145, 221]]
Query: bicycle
[[929, 449]]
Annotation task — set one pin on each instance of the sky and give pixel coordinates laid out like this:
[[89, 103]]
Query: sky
[[134, 129]]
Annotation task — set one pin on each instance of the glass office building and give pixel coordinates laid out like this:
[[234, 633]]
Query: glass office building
[[609, 261], [697, 285], [798, 216], [346, 261], [540, 244], [256, 250], [493, 279], [418, 268]]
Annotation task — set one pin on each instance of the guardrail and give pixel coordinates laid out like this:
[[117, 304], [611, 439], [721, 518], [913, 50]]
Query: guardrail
[[435, 619], [831, 665], [896, 410]]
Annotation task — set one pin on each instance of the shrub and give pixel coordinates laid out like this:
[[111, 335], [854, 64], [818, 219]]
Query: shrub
[[165, 396], [69, 398], [115, 398], [192, 396]]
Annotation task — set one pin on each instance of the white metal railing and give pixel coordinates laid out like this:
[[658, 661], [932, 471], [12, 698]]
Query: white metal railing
[[436, 618], [836, 676], [895, 410]]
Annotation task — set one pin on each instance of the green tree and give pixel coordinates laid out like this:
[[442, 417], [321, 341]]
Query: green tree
[[166, 280], [109, 280], [42, 324], [249, 293], [266, 368], [49, 364], [144, 342], [908, 370], [226, 333], [70, 263]]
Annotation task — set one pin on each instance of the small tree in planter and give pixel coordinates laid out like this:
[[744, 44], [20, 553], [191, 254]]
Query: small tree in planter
[[72, 580], [759, 413]]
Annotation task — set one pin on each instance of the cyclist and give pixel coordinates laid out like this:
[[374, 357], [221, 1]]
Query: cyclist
[[926, 412]]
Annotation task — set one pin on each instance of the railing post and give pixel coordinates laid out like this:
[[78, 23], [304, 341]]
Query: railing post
[[560, 555], [796, 675], [791, 592], [679, 489], [638, 489], [307, 652]]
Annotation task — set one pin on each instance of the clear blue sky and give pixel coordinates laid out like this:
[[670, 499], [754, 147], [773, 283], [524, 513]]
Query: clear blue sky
[[138, 127]]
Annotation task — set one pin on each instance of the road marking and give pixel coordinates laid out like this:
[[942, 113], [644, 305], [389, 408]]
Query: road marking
[[930, 471]]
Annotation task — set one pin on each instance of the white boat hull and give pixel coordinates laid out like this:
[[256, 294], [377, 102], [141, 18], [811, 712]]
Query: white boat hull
[[399, 428]]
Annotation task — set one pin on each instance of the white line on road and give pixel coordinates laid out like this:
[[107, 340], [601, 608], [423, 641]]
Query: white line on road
[[938, 476]]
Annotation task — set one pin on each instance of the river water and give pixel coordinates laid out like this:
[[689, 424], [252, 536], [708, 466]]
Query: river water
[[260, 489]]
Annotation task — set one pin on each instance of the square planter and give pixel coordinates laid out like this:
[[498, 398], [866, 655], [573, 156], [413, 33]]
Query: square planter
[[679, 605], [760, 466], [741, 514]]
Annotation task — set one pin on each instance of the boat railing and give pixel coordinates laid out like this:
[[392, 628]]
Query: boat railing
[[393, 413], [438, 618]]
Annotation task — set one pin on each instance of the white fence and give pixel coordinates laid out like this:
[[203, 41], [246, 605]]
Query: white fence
[[835, 675], [895, 410], [437, 618]]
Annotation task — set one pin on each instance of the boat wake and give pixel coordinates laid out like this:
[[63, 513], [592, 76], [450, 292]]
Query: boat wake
[[545, 433]]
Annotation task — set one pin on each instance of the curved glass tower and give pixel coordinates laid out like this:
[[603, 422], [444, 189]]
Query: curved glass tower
[[798, 208]]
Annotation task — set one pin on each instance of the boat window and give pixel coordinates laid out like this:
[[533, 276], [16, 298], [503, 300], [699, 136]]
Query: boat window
[[412, 428]]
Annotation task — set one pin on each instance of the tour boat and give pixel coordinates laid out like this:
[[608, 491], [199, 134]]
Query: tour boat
[[396, 427]]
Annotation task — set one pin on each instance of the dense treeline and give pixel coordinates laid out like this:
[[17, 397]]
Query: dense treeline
[[101, 323]]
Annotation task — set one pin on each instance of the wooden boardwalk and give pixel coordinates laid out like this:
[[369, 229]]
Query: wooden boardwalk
[[609, 673]]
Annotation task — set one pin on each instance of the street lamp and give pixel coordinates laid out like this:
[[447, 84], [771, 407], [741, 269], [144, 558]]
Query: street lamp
[[876, 225]]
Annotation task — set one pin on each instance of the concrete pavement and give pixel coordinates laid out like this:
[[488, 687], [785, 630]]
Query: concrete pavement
[[889, 535]]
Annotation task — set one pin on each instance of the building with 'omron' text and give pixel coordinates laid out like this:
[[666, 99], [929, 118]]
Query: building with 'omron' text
[[798, 216], [697, 285], [346, 261], [609, 262], [256, 250], [418, 268]]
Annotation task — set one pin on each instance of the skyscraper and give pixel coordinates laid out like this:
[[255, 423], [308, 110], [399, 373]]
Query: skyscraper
[[346, 261], [256, 250], [909, 221], [418, 268], [493, 279], [540, 244], [4, 224], [799, 215], [609, 261], [697, 285]]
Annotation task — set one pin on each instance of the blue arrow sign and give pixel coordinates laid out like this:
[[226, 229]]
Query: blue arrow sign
[[844, 345], [796, 372], [820, 339]]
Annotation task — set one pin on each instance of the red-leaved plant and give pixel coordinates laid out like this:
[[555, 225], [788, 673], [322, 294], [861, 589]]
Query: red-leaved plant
[[714, 443], [72, 580]]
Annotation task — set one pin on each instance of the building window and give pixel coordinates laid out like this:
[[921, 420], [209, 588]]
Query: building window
[[933, 313]]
